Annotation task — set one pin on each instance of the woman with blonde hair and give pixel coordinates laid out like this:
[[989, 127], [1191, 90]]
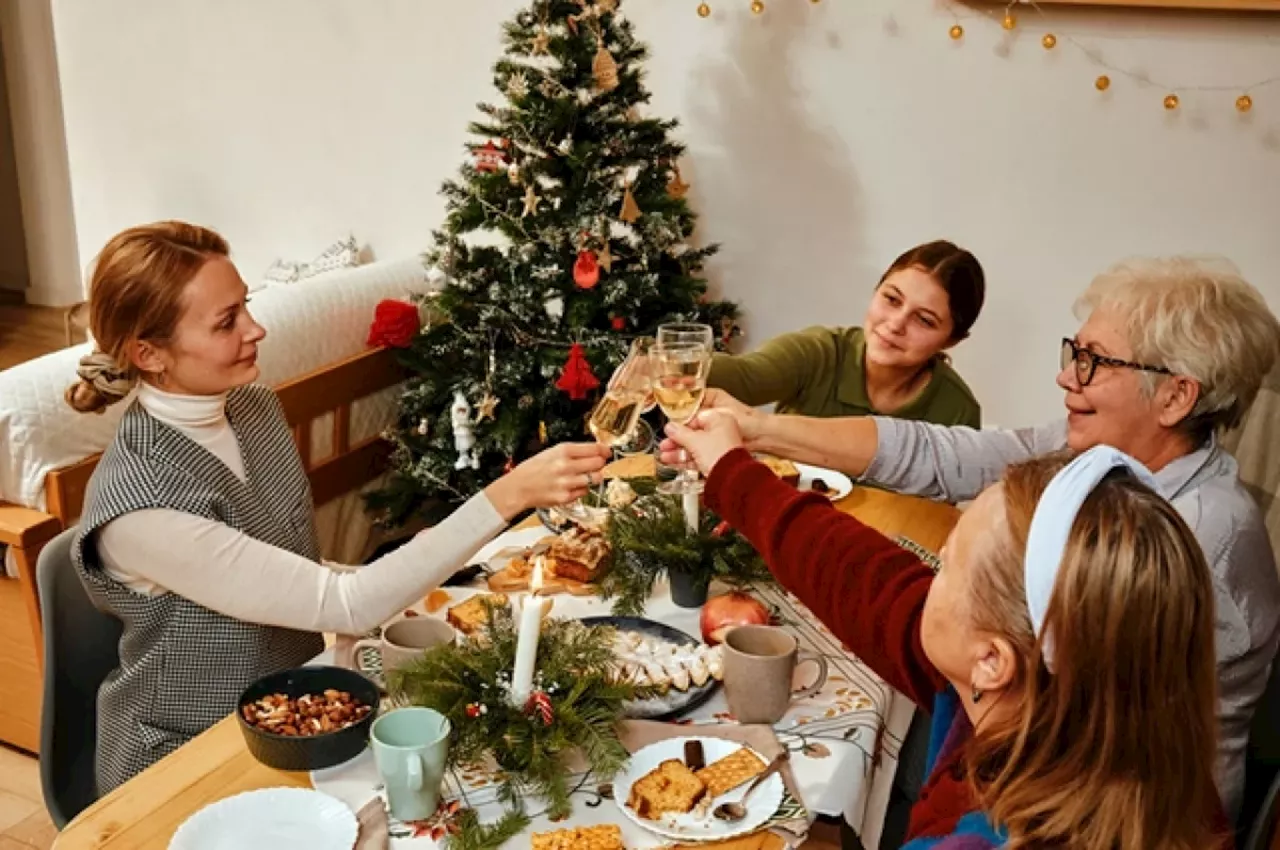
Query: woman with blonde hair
[[1171, 354], [1065, 646], [198, 529]]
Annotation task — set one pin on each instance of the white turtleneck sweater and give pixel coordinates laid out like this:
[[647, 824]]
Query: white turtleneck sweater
[[166, 551]]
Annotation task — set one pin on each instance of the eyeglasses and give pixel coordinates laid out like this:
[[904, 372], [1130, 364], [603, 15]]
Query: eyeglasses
[[1087, 362]]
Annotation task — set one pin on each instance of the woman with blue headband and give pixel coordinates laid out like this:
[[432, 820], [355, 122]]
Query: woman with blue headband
[[1065, 647]]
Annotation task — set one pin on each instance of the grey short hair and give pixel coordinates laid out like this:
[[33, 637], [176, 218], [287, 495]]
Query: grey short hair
[[1197, 317]]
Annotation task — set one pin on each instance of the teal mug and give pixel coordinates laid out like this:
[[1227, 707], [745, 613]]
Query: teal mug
[[410, 748]]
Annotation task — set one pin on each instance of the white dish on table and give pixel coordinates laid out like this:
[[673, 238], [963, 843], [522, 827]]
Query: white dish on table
[[700, 824], [840, 484], [270, 817]]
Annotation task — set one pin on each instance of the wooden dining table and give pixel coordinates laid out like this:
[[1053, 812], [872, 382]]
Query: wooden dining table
[[144, 813]]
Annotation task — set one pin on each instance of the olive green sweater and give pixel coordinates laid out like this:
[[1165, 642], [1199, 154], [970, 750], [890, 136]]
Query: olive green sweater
[[819, 372]]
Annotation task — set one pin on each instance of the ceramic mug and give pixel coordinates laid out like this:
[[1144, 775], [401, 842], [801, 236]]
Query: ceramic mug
[[406, 640], [759, 667], [410, 748]]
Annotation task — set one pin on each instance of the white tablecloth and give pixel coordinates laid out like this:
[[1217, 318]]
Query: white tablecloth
[[844, 740]]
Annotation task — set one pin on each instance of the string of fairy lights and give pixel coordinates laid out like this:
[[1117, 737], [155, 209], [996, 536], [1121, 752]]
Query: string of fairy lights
[[1243, 95]]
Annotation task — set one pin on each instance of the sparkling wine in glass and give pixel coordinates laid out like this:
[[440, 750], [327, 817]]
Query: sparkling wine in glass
[[679, 380]]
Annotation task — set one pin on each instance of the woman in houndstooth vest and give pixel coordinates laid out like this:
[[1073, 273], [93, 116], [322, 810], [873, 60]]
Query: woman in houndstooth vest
[[198, 529]]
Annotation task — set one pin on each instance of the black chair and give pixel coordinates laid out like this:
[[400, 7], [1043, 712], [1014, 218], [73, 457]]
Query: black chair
[[81, 647], [1262, 763], [1264, 825]]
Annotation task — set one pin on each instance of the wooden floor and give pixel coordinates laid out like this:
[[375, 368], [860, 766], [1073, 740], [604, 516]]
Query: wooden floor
[[28, 332], [24, 823]]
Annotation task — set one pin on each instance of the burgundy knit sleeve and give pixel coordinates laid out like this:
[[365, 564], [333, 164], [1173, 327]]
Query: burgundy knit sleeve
[[866, 589]]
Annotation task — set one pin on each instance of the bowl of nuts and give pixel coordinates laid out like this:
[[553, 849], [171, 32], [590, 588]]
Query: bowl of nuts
[[308, 718]]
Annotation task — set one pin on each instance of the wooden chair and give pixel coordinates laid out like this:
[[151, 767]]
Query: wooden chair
[[348, 467]]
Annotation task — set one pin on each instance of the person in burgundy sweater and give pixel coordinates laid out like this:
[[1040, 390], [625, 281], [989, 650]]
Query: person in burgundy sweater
[[1065, 647]]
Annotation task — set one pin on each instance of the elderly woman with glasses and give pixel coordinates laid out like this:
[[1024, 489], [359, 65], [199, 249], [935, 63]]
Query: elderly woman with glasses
[[1171, 353]]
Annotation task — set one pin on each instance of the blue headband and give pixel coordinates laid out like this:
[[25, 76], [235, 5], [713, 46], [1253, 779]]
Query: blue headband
[[1051, 526]]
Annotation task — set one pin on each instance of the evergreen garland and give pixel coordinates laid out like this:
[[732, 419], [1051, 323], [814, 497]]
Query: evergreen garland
[[650, 538], [474, 835], [469, 682]]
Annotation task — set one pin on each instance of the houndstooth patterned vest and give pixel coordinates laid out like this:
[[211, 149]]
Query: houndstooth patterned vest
[[182, 666]]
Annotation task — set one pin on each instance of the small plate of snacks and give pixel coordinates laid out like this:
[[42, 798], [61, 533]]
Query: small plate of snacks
[[684, 669], [830, 483], [672, 787]]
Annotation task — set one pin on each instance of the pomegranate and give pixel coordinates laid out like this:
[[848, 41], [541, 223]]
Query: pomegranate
[[722, 613]]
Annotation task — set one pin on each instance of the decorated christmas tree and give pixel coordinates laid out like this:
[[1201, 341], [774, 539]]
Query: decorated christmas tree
[[567, 234]]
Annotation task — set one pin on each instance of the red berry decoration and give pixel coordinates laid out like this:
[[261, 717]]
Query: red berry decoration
[[586, 272], [618, 323]]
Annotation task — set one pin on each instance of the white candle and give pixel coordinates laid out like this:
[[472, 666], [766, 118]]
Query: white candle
[[691, 512], [532, 610]]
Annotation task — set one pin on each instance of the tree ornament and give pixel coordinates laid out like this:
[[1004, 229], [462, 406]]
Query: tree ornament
[[566, 146], [509, 465], [1009, 21], [476, 709], [1171, 102], [464, 439], [577, 379], [543, 438], [554, 307], [487, 407], [630, 211], [395, 324], [541, 44], [539, 706], [676, 187], [1049, 41], [490, 158], [606, 257], [604, 69], [1244, 103], [757, 7], [525, 402], [704, 11], [607, 5], [1102, 83], [513, 174], [957, 32], [586, 271], [518, 85], [531, 201], [618, 323], [572, 23]]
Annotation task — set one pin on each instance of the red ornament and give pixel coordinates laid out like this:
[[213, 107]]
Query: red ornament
[[721, 529], [395, 323], [473, 711], [586, 272], [539, 706], [577, 379], [618, 323], [509, 465], [490, 158]]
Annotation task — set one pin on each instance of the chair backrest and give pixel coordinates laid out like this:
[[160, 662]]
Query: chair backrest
[[1263, 833], [81, 646], [1258, 453]]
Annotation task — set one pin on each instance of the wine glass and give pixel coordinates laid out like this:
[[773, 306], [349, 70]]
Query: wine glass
[[678, 372], [686, 332]]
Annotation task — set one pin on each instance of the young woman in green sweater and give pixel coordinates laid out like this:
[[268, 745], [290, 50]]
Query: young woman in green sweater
[[893, 365]]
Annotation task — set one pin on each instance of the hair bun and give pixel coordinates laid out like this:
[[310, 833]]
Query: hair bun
[[102, 383]]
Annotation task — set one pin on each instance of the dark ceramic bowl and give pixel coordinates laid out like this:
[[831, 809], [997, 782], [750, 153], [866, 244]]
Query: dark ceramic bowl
[[312, 752]]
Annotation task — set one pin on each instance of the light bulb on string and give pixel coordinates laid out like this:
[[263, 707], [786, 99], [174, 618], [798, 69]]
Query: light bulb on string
[[1010, 21], [757, 7], [957, 32], [1171, 102], [704, 11], [1102, 83], [1244, 103], [1049, 41]]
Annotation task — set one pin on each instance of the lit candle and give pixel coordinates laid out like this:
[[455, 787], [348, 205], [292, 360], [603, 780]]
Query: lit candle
[[532, 610]]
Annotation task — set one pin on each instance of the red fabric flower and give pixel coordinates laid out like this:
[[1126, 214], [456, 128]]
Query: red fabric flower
[[577, 379], [395, 323]]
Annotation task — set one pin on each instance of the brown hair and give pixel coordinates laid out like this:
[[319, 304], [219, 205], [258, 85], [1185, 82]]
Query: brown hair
[[1113, 750], [957, 271], [135, 293]]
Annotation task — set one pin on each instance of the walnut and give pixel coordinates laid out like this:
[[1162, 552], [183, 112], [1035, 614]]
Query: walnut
[[306, 716]]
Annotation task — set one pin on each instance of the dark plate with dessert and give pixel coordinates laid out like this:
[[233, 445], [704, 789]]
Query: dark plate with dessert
[[652, 653]]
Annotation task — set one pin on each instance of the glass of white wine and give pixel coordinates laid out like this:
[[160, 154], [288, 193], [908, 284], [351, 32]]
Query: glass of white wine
[[678, 372], [686, 332]]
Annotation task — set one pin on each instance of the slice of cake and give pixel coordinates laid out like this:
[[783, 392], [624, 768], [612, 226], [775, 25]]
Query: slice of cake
[[781, 467], [470, 616], [731, 771], [579, 554], [583, 838], [671, 788]]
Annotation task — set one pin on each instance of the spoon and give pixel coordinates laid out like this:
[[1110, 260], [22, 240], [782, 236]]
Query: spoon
[[737, 811]]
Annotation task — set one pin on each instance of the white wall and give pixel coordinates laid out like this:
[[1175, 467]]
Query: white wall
[[824, 139]]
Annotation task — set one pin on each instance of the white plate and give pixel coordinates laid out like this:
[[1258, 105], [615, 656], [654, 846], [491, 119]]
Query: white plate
[[840, 483], [692, 827], [278, 818]]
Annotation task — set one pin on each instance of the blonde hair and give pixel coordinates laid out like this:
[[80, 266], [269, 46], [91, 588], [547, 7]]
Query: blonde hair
[[135, 293], [1114, 750], [1195, 317]]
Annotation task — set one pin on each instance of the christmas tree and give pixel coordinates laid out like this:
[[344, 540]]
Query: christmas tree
[[566, 235]]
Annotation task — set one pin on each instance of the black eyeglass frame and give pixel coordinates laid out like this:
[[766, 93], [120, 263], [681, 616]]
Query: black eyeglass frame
[[1087, 362]]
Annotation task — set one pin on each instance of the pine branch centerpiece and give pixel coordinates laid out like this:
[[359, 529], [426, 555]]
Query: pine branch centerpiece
[[567, 233], [574, 707], [650, 538]]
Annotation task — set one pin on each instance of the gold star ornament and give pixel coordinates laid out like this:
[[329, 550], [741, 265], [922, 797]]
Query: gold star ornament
[[487, 407], [542, 42], [531, 202]]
